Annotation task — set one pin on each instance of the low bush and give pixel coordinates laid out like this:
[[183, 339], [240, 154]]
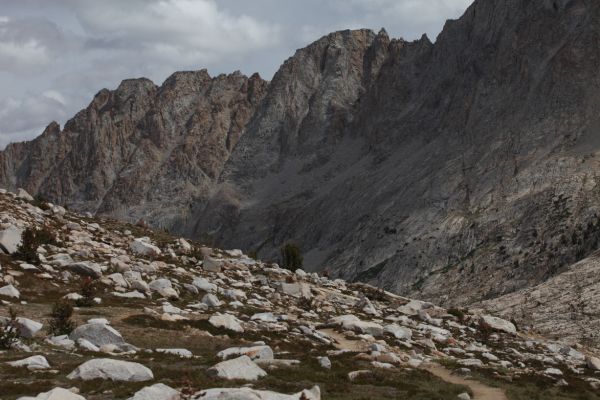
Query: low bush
[[30, 241], [9, 332], [291, 257], [88, 293], [61, 322]]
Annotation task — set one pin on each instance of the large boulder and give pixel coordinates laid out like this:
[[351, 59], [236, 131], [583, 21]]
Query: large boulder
[[97, 334], [399, 332], [159, 391], [86, 268], [10, 239], [211, 300], [238, 368], [10, 291], [296, 289], [204, 285], [32, 363], [211, 264], [28, 327], [497, 324], [226, 321], [115, 370], [593, 363], [143, 246], [164, 287], [24, 195], [353, 323], [55, 394], [251, 394]]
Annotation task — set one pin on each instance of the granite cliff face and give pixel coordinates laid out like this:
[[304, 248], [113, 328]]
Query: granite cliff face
[[141, 151], [455, 171], [464, 169]]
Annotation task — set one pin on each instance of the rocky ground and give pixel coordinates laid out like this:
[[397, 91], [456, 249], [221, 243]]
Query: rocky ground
[[159, 317]]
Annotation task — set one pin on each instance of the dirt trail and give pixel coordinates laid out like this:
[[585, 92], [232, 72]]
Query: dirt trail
[[480, 391], [345, 344]]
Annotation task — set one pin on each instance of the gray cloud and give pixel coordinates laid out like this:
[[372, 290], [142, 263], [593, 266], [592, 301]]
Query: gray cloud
[[55, 55]]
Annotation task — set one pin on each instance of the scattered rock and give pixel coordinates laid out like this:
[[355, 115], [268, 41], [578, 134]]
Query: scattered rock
[[324, 362], [10, 291], [251, 394], [297, 289], [115, 370], [238, 368], [157, 391], [226, 321], [211, 264], [32, 363], [211, 300], [183, 353], [498, 324], [97, 334], [10, 239], [27, 327], [86, 268], [55, 394], [254, 352], [144, 247]]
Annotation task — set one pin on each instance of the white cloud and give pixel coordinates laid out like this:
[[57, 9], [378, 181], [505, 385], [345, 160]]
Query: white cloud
[[29, 54], [24, 118], [55, 95], [191, 29], [28, 45]]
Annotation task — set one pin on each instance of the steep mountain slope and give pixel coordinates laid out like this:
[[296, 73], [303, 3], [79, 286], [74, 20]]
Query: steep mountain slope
[[455, 171], [465, 168], [565, 306]]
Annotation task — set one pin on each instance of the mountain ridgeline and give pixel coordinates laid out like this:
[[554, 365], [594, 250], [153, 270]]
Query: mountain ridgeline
[[455, 171]]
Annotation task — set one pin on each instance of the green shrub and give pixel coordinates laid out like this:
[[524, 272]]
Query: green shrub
[[88, 292], [291, 258], [61, 323], [9, 332], [30, 240], [41, 202], [458, 313]]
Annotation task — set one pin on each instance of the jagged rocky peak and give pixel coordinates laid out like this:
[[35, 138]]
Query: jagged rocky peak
[[310, 100], [53, 128]]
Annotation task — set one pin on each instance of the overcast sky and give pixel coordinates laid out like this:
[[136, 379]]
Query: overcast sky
[[56, 54]]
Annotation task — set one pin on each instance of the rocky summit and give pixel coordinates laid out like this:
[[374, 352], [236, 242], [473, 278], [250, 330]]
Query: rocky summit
[[88, 313]]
